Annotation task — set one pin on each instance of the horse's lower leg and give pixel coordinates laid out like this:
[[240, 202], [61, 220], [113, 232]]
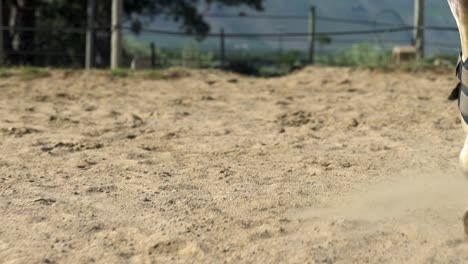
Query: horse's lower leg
[[464, 152], [460, 12]]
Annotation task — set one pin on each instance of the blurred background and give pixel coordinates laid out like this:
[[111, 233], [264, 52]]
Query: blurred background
[[257, 37]]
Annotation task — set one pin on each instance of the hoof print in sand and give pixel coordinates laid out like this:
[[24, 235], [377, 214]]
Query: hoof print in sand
[[45, 201], [178, 248], [19, 132], [101, 189]]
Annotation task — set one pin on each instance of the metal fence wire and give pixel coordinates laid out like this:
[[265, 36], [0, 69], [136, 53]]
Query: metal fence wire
[[174, 48], [153, 47]]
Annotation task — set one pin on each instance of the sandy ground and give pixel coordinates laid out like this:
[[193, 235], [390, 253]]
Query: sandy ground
[[323, 166]]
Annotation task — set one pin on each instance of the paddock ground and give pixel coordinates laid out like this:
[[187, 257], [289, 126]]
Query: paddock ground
[[327, 165]]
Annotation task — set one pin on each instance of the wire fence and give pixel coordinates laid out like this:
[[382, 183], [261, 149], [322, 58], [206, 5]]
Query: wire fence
[[153, 47], [247, 52], [295, 34]]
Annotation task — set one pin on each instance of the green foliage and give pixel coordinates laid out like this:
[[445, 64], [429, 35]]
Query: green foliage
[[5, 73], [186, 12], [373, 57], [324, 40], [273, 71], [265, 64], [362, 55], [438, 63], [31, 73], [275, 63], [25, 73], [46, 14], [135, 48], [193, 56], [154, 75], [119, 73], [169, 74], [291, 58]]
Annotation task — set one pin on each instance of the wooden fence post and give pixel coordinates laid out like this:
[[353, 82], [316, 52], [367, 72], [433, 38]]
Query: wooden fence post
[[153, 55], [116, 37], [419, 28], [2, 51], [222, 49], [90, 34], [312, 35]]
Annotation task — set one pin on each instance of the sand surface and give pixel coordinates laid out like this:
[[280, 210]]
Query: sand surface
[[326, 165]]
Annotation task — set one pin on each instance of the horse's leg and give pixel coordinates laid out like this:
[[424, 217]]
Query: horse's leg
[[460, 13], [464, 152]]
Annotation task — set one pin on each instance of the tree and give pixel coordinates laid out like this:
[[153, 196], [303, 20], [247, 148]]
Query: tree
[[70, 14], [184, 11], [26, 42], [324, 40], [20, 13]]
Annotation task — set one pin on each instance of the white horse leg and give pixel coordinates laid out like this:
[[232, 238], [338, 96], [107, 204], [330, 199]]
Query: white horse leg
[[460, 13], [464, 152]]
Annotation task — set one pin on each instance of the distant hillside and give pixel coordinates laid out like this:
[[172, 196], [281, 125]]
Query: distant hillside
[[382, 11]]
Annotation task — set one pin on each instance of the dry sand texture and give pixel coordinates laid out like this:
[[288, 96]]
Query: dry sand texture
[[322, 166]]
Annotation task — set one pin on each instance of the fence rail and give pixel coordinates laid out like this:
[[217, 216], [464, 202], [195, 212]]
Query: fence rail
[[297, 34], [281, 37], [67, 30]]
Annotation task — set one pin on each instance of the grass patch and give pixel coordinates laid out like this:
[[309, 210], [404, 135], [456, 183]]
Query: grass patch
[[274, 71], [31, 73], [154, 75], [4, 73], [373, 57], [168, 74], [428, 65], [119, 73], [437, 64], [176, 73]]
